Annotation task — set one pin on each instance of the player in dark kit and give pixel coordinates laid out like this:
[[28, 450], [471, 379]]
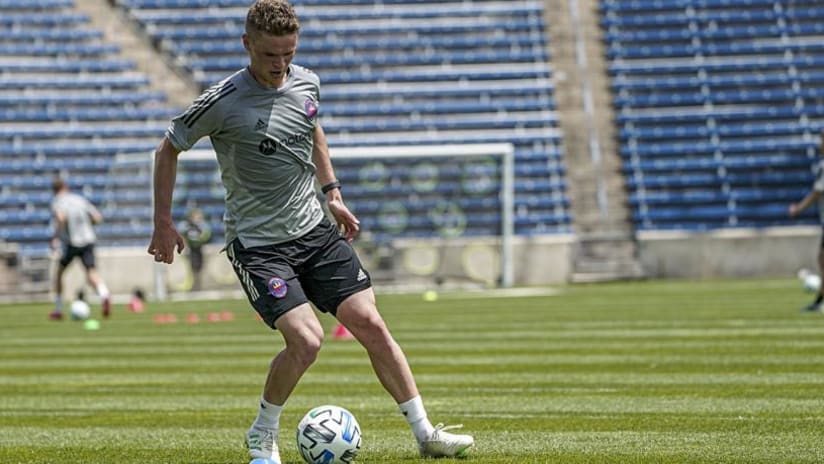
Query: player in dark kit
[[263, 124], [814, 197], [196, 233]]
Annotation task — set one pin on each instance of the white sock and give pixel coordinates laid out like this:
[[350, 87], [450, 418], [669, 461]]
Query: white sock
[[102, 291], [415, 414], [268, 417], [58, 304]]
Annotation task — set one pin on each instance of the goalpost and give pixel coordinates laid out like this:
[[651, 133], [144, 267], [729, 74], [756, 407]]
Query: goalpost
[[446, 212]]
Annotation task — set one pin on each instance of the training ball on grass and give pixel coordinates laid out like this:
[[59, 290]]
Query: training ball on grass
[[79, 310], [329, 435], [810, 282]]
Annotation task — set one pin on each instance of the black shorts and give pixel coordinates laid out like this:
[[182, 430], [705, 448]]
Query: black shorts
[[320, 267], [86, 254]]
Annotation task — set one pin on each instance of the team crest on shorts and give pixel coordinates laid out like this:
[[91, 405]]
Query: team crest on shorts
[[277, 287]]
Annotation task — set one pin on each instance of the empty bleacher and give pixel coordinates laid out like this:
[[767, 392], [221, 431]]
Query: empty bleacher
[[719, 108], [393, 73], [69, 103], [405, 73]]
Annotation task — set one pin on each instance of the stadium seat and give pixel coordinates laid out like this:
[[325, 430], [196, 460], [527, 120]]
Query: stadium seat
[[477, 73], [717, 103], [57, 69]]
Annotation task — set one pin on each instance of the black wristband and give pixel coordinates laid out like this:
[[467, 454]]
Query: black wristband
[[330, 186]]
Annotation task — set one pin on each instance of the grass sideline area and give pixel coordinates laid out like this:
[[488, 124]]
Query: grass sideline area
[[649, 372]]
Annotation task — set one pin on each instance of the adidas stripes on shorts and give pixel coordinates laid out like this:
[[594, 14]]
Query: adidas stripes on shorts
[[320, 267]]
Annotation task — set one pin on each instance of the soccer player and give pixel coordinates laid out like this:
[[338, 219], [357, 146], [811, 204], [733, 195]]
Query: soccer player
[[796, 208], [196, 233], [74, 220], [263, 124]]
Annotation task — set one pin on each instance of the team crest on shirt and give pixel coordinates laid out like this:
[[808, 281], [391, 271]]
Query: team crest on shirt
[[311, 108], [277, 287]]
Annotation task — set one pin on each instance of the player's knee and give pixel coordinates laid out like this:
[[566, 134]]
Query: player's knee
[[306, 349], [373, 333], [371, 323]]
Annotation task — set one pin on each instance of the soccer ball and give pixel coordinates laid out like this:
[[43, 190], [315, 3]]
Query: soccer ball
[[329, 435], [810, 282], [79, 310]]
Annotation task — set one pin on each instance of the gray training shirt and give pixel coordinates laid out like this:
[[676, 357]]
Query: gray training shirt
[[263, 139], [79, 229]]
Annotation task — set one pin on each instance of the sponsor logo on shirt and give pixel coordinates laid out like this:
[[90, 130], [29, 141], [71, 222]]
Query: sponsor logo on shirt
[[268, 146]]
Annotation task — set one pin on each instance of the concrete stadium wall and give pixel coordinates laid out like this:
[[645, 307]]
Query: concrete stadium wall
[[409, 264], [771, 252], [542, 260]]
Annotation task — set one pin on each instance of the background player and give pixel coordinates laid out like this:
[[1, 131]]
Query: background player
[[796, 208], [74, 218], [196, 232]]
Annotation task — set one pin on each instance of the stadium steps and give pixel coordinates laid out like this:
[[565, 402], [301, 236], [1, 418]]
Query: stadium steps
[[118, 29], [35, 274], [604, 257], [9, 277], [606, 248]]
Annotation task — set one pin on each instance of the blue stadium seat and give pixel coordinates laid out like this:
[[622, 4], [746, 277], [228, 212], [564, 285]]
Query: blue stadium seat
[[34, 4], [51, 34], [56, 49], [62, 131], [434, 10], [717, 105], [155, 4], [87, 114], [447, 72], [67, 65], [55, 68], [322, 61], [73, 82], [78, 148], [9, 19], [379, 43], [468, 25], [116, 98]]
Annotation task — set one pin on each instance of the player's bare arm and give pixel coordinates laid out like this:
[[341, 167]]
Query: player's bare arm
[[95, 215], [797, 208], [165, 236], [326, 175], [59, 224]]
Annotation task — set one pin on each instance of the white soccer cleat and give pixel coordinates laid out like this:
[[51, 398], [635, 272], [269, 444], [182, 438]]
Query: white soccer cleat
[[263, 444], [442, 444]]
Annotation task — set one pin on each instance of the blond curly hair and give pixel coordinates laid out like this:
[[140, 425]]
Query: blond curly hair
[[274, 17]]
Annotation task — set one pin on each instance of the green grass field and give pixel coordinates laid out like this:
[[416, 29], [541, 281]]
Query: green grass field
[[655, 372]]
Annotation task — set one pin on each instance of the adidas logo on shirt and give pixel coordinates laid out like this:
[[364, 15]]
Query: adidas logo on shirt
[[361, 275], [261, 124]]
